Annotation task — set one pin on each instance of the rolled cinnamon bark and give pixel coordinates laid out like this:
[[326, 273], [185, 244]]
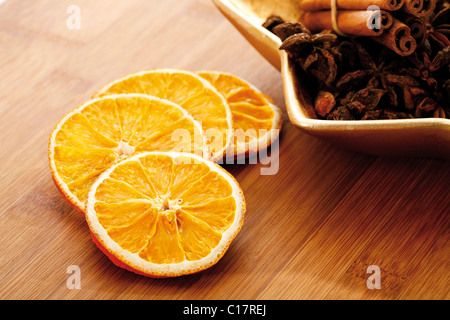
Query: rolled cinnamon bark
[[419, 8], [398, 38], [350, 22], [316, 5], [418, 28]]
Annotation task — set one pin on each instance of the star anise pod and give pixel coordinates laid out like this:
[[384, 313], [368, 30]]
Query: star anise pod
[[443, 97], [438, 28], [299, 45], [369, 74], [272, 22], [362, 101], [409, 89], [426, 106], [286, 29], [310, 51], [344, 53], [401, 90], [425, 68], [340, 113]]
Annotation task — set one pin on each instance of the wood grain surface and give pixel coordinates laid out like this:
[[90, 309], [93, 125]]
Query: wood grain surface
[[311, 230]]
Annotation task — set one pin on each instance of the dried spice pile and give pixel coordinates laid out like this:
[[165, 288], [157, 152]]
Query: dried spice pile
[[359, 79]]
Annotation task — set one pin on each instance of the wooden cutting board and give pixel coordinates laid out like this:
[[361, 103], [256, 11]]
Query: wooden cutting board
[[312, 229]]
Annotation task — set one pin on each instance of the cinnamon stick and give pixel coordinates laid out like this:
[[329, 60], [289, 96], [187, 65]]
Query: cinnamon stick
[[418, 28], [350, 22], [316, 5], [419, 8], [398, 38]]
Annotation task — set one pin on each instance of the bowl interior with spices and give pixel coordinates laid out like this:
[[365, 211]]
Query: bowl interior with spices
[[372, 105]]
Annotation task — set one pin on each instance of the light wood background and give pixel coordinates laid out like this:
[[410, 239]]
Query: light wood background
[[311, 230]]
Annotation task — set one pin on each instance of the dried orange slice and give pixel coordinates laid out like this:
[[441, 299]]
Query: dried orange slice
[[165, 214], [256, 119], [190, 91], [104, 130]]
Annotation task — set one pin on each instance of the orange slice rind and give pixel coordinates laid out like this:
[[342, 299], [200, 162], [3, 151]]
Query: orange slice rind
[[257, 120], [190, 91], [104, 130], [175, 213]]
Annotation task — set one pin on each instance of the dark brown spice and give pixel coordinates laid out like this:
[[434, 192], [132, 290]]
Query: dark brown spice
[[286, 29], [272, 22], [357, 79], [324, 103], [438, 27]]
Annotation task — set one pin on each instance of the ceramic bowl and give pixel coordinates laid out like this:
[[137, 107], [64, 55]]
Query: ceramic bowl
[[427, 137]]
